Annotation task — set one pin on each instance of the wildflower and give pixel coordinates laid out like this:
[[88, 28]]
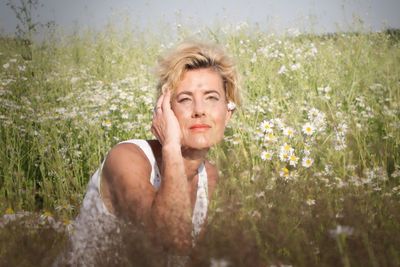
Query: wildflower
[[283, 155], [295, 66], [9, 211], [67, 224], [60, 111], [310, 202], [270, 137], [341, 230], [340, 136], [286, 148], [113, 107], [266, 126], [46, 215], [306, 152], [266, 155], [293, 160], [313, 50], [260, 194], [6, 66], [288, 131], [256, 214], [278, 122], [258, 134], [308, 129], [253, 58], [21, 67], [395, 174], [282, 70], [307, 162], [74, 79], [231, 106], [284, 172], [219, 263], [285, 152], [318, 119], [106, 124]]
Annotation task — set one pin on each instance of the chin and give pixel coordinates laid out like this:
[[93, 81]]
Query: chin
[[200, 142]]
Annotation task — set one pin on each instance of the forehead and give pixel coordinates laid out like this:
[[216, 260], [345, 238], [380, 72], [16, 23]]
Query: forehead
[[200, 79]]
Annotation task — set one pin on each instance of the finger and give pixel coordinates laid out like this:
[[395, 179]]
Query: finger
[[166, 103], [154, 132], [159, 102]]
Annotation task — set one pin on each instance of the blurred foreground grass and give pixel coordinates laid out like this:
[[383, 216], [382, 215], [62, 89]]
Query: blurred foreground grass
[[310, 169]]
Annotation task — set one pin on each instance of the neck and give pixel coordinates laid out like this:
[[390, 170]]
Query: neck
[[192, 158]]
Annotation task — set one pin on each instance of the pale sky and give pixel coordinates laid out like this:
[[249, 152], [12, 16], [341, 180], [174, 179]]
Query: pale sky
[[270, 15]]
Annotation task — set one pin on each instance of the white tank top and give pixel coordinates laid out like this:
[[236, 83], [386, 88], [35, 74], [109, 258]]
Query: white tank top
[[94, 217]]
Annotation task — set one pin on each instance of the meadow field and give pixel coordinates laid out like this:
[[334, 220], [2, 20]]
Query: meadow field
[[309, 167]]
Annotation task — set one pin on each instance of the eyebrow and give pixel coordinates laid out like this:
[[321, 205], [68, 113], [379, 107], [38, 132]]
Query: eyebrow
[[206, 92]]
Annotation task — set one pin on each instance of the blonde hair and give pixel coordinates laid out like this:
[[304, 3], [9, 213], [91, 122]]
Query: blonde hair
[[192, 55]]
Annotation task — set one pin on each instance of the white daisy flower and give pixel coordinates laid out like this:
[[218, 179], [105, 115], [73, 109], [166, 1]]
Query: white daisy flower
[[266, 155], [288, 131], [285, 152], [293, 159], [267, 126], [287, 148], [307, 162], [308, 129], [231, 106], [106, 124]]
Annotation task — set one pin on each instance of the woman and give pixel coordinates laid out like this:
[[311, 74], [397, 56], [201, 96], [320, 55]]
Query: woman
[[166, 184]]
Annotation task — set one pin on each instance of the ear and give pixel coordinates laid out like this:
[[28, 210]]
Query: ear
[[228, 117]]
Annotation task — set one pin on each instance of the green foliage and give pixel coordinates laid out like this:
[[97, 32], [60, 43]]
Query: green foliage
[[310, 169]]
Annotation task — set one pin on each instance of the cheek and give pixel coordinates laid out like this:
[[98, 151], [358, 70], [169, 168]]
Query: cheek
[[220, 122], [182, 118]]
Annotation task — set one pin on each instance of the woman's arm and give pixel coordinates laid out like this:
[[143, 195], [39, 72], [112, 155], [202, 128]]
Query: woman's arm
[[165, 213], [171, 211]]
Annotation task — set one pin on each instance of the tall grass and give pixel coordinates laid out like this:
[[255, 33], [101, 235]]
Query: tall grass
[[310, 165]]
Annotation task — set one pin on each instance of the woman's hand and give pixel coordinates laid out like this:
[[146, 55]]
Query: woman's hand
[[165, 126]]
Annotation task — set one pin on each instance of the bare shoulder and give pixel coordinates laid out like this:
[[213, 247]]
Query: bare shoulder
[[122, 158], [125, 184]]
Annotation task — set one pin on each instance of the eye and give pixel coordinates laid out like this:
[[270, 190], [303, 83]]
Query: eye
[[183, 99], [213, 97]]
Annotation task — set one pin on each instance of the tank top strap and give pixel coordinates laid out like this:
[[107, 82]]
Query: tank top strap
[[155, 177]]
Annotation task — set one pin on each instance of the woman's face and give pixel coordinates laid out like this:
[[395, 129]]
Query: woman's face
[[199, 103]]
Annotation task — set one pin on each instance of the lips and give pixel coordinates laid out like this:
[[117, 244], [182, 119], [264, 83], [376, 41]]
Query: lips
[[200, 126]]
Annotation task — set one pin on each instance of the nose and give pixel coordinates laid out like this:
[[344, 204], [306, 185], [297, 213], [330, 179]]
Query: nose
[[198, 109]]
